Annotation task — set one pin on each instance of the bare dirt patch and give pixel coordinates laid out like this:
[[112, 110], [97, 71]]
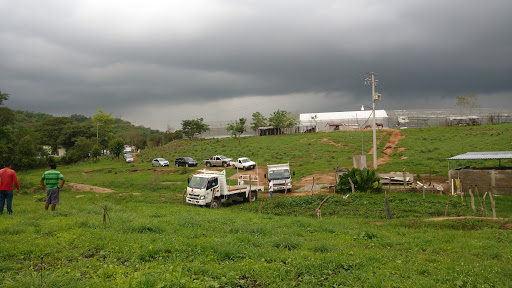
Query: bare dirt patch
[[83, 188], [328, 179], [132, 171], [304, 140], [506, 226], [87, 172], [163, 171], [378, 141], [124, 194], [390, 146], [329, 141]]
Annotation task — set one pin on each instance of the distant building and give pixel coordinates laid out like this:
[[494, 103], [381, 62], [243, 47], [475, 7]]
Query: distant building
[[348, 120]]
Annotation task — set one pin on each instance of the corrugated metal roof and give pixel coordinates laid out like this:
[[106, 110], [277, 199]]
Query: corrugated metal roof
[[328, 116], [483, 155]]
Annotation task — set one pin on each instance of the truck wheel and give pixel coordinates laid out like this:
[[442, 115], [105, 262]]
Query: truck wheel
[[208, 164], [216, 204], [225, 164], [234, 167], [186, 165], [245, 168], [254, 196], [177, 165]]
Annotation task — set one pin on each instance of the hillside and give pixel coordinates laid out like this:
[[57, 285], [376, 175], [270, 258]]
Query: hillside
[[417, 150]]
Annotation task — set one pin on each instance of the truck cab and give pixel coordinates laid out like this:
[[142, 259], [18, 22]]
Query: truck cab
[[280, 176]]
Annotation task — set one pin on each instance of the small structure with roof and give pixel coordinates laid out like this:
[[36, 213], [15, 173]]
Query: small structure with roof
[[497, 180], [349, 120]]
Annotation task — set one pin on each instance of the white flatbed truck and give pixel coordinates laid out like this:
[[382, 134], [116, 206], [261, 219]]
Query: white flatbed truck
[[208, 186], [280, 176]]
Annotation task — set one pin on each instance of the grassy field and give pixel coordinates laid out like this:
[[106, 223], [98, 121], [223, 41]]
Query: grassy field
[[152, 240]]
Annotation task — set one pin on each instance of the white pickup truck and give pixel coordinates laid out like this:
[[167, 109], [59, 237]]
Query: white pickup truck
[[243, 163], [280, 176], [211, 185]]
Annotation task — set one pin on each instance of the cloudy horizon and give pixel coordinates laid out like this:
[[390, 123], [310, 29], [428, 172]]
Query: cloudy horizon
[[155, 63]]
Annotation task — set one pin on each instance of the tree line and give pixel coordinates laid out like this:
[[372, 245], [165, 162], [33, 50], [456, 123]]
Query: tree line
[[28, 139]]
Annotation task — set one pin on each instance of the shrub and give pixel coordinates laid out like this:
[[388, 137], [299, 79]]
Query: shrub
[[364, 180]]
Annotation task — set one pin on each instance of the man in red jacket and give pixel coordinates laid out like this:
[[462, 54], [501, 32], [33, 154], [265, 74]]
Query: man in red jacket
[[7, 179]]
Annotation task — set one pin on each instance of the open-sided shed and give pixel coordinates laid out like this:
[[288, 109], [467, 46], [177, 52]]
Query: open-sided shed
[[497, 180]]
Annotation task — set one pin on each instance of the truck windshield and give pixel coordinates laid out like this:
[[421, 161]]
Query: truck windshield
[[245, 160], [279, 174], [198, 182]]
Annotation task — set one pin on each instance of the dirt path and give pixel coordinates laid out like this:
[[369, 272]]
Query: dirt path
[[396, 136], [82, 187]]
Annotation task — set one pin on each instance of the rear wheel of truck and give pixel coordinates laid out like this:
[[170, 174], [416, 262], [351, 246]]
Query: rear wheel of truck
[[254, 196], [208, 164], [226, 164], [216, 204]]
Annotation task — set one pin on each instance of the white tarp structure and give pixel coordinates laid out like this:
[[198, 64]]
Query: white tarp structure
[[343, 120]]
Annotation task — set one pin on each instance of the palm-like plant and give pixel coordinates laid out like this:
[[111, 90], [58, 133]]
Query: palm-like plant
[[364, 180]]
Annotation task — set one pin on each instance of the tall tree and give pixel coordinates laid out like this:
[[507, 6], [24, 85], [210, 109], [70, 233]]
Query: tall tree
[[258, 121], [104, 130], [467, 103], [191, 128], [237, 128], [117, 147], [51, 131]]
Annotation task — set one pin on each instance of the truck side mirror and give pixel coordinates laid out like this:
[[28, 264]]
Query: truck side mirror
[[188, 180], [265, 176]]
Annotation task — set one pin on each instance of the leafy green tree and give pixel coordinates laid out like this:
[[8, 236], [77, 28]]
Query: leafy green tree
[[191, 128], [72, 132], [117, 147], [283, 119], [3, 97], [104, 123], [467, 102], [79, 118], [96, 152], [83, 147], [238, 128], [51, 131], [258, 121], [364, 180]]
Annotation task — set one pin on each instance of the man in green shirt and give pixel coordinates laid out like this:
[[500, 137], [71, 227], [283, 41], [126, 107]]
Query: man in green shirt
[[50, 183]]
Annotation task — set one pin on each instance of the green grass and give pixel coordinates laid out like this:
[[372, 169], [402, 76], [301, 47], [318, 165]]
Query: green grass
[[154, 241], [425, 148]]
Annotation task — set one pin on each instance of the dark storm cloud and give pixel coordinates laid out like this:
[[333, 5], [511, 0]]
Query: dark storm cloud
[[74, 56]]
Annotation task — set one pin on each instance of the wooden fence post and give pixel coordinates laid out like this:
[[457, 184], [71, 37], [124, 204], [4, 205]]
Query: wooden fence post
[[485, 206], [478, 195], [352, 185], [404, 179], [312, 186], [472, 200], [493, 205], [446, 210], [319, 209]]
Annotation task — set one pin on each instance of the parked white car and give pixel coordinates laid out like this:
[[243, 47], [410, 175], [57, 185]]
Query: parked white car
[[243, 163], [159, 162], [128, 158]]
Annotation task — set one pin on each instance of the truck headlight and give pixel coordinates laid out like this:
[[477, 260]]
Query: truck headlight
[[201, 198]]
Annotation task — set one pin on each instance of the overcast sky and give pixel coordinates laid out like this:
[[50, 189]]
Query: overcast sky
[[155, 63]]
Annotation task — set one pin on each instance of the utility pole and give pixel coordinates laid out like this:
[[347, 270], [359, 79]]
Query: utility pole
[[375, 97]]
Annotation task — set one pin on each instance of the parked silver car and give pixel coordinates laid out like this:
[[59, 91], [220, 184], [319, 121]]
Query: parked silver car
[[159, 162]]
